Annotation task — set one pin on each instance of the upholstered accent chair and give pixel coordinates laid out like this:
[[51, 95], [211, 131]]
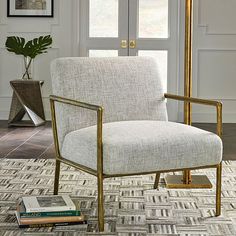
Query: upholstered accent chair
[[109, 119]]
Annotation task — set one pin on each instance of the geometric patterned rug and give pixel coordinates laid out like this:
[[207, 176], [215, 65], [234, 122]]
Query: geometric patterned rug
[[132, 206]]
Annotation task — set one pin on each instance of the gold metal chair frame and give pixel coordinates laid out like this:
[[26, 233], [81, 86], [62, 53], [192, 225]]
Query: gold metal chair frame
[[99, 172]]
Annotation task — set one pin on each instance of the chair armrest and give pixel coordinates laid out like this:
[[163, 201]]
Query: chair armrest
[[98, 109], [71, 102], [216, 104]]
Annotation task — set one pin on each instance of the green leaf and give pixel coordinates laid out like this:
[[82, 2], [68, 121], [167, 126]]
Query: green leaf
[[15, 44], [31, 49], [38, 45]]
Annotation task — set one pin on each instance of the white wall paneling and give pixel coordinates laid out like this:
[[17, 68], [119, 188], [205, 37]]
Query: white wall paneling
[[60, 27], [216, 72], [214, 52], [217, 16], [214, 58]]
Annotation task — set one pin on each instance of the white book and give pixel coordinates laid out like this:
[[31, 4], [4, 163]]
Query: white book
[[48, 203]]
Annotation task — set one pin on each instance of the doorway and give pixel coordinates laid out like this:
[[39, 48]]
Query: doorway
[[133, 28]]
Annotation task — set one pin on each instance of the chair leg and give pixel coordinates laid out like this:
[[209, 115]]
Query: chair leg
[[100, 204], [158, 174], [56, 178], [218, 189]]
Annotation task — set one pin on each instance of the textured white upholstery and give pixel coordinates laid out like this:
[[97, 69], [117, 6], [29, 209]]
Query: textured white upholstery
[[137, 138], [129, 88], [144, 146], [136, 134]]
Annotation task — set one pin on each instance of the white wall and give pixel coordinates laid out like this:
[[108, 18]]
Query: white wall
[[214, 58], [214, 54], [61, 28]]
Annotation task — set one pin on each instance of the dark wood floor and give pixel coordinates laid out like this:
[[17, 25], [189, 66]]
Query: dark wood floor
[[229, 138], [38, 142], [26, 142]]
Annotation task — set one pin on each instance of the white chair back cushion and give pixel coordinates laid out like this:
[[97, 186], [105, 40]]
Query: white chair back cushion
[[129, 88]]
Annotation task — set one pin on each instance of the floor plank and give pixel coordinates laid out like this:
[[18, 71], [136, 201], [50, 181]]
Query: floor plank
[[34, 146], [13, 140], [26, 142]]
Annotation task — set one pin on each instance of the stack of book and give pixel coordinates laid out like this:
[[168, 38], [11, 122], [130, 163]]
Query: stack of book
[[48, 211]]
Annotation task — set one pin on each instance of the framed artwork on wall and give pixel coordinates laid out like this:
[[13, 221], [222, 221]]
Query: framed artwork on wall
[[30, 8]]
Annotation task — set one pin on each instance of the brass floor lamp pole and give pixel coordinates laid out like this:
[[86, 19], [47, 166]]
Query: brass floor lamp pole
[[188, 72], [188, 181]]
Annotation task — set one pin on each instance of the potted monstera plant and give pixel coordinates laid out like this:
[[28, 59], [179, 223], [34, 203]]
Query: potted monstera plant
[[29, 50]]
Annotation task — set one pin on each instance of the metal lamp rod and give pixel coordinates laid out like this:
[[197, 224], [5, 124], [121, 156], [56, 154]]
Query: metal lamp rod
[[188, 71]]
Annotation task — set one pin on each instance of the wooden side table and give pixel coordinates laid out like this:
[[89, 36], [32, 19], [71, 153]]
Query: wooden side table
[[26, 99]]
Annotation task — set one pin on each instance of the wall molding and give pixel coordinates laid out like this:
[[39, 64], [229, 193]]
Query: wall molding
[[196, 74], [62, 46], [207, 27], [75, 26], [47, 26]]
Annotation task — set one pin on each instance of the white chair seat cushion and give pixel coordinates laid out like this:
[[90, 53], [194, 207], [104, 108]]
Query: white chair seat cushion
[[131, 147]]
